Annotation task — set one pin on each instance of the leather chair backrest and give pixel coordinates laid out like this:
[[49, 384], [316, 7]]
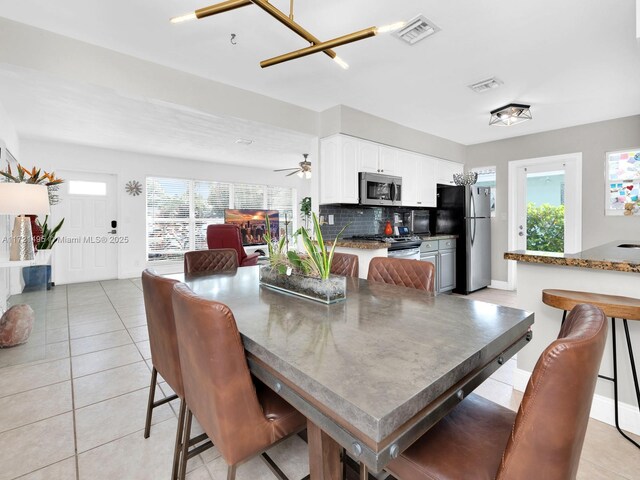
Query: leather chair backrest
[[218, 386], [226, 236], [402, 272], [548, 434], [345, 264], [210, 261], [161, 324]]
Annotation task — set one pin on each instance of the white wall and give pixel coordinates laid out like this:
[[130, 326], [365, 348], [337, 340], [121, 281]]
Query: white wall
[[131, 166], [8, 134]]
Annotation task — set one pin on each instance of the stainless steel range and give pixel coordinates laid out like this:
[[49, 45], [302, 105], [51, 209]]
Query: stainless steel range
[[399, 246]]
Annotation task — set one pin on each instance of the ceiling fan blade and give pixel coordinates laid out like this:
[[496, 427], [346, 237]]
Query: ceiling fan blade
[[286, 169], [293, 173]]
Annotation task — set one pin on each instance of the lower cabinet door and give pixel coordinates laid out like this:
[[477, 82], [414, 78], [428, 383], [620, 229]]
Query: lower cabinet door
[[433, 258], [446, 270]]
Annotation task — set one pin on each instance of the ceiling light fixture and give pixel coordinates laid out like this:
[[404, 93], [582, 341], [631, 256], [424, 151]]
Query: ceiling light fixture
[[511, 114], [288, 21]]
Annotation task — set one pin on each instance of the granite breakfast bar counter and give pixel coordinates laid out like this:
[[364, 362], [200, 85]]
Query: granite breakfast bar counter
[[608, 269]]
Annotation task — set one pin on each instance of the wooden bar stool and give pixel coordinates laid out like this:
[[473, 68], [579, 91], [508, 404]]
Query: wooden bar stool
[[626, 308]]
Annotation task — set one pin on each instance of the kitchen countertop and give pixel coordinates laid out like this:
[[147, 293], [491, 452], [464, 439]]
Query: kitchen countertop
[[373, 245], [604, 257]]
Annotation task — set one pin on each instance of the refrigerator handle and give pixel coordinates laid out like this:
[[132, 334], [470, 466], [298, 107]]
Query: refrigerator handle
[[473, 231], [472, 203]]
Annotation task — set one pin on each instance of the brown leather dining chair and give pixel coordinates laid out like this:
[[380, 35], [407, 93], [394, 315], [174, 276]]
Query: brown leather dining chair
[[210, 261], [163, 341], [345, 264], [242, 416], [482, 440], [402, 272]]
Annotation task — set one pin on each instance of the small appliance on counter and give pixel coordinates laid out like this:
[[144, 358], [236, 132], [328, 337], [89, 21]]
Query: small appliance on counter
[[418, 222]]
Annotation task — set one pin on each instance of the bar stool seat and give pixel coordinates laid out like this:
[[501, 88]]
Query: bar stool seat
[[614, 306]]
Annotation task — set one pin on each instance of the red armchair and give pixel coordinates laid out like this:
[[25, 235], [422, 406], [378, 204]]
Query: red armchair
[[228, 236]]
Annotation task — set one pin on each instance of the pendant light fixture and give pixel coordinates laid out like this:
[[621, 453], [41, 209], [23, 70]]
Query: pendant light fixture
[[288, 21], [511, 114]]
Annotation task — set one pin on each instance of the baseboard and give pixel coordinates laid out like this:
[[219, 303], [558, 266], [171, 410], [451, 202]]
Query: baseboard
[[499, 285], [602, 408]]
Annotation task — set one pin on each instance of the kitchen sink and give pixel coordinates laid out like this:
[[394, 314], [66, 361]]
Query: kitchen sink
[[629, 245]]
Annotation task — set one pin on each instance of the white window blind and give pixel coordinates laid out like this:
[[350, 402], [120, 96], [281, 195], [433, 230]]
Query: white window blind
[[179, 211]]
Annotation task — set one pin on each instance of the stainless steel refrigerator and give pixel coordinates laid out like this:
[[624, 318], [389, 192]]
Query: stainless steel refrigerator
[[466, 212]]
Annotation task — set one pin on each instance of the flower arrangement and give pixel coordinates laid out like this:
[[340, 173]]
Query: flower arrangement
[[35, 176]]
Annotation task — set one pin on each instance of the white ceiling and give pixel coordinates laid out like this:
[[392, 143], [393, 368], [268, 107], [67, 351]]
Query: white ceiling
[[43, 106], [574, 61]]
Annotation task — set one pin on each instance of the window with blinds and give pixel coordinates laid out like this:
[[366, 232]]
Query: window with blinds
[[179, 211]]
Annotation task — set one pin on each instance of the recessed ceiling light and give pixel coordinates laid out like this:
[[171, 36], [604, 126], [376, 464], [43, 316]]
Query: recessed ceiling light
[[484, 85], [244, 141]]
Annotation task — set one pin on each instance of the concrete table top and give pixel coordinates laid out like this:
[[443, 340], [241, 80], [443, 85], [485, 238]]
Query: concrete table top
[[375, 359]]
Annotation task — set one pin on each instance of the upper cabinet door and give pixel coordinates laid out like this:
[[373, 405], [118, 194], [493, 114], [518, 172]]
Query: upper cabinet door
[[330, 170], [349, 188], [445, 171], [389, 161], [369, 154], [427, 182], [407, 168]]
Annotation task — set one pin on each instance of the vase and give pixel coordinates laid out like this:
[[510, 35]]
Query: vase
[[330, 290], [36, 277], [36, 231]]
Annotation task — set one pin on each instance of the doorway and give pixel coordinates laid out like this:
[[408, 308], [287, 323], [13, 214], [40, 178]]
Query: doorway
[[87, 250], [545, 205]]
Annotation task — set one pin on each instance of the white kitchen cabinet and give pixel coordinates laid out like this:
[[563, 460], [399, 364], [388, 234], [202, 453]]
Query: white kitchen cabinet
[[426, 195], [418, 179], [339, 170], [376, 158], [446, 270], [342, 157], [445, 170]]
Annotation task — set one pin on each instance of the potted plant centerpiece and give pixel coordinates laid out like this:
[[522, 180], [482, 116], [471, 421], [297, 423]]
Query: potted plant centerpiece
[[39, 274], [307, 275]]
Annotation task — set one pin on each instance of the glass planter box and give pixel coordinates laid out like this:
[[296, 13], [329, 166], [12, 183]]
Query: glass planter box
[[331, 290]]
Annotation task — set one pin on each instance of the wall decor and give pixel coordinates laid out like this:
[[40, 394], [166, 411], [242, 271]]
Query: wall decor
[[133, 188]]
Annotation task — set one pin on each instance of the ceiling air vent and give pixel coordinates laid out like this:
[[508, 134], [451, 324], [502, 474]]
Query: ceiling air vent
[[484, 85], [416, 30]]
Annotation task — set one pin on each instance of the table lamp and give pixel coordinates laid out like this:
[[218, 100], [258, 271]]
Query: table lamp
[[23, 199]]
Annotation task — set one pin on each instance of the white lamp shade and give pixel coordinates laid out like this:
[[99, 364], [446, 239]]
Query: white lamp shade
[[23, 199]]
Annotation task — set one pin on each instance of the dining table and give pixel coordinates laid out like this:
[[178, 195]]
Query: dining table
[[373, 372]]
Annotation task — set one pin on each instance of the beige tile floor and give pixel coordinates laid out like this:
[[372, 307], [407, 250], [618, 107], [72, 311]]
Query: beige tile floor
[[72, 401]]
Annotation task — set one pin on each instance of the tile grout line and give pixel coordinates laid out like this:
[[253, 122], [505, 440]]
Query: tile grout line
[[73, 395]]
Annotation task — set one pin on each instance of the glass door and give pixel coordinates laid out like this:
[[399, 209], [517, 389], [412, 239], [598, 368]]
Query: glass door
[[541, 208]]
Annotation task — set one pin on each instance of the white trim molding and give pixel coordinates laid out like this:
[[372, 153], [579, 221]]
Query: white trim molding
[[602, 408], [500, 285]]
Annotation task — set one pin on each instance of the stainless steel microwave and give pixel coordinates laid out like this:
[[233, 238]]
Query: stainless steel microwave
[[376, 189]]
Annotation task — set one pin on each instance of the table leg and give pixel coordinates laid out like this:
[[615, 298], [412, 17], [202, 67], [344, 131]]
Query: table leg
[[324, 454]]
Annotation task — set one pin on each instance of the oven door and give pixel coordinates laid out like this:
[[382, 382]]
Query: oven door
[[406, 253]]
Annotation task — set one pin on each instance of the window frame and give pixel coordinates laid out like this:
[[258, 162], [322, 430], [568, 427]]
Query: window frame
[[192, 220]]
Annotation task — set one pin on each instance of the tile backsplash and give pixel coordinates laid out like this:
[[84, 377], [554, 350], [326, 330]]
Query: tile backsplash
[[361, 220]]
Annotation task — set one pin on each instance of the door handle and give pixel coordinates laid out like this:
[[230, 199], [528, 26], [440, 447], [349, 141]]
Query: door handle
[[521, 234], [112, 231]]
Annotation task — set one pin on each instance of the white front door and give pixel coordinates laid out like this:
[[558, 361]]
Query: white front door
[[87, 249]]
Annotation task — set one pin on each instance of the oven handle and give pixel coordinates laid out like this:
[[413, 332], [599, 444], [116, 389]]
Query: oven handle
[[393, 191]]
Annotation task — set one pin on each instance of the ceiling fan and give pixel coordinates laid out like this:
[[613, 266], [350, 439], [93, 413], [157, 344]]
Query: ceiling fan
[[303, 171]]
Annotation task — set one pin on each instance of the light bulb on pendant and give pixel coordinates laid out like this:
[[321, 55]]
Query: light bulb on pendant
[[341, 62], [390, 28], [300, 174], [307, 175], [184, 18]]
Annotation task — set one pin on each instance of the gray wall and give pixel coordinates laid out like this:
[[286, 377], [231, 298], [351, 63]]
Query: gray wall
[[343, 119], [593, 140]]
